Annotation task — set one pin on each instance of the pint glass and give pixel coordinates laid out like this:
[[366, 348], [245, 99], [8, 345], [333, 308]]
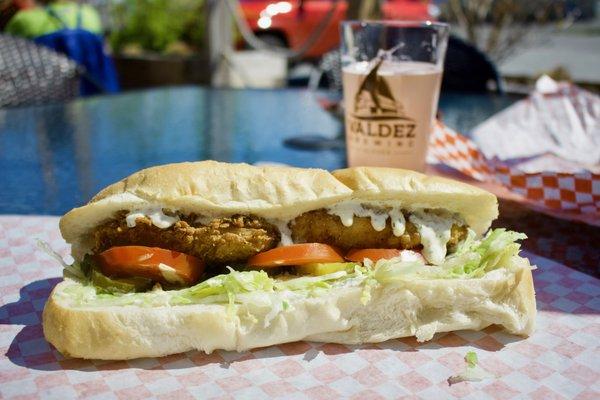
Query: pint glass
[[392, 73]]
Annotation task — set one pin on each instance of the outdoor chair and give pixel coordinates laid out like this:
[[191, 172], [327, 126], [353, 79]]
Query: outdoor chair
[[468, 69], [32, 74]]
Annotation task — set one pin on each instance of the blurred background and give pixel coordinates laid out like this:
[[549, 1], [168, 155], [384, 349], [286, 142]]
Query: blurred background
[[496, 45]]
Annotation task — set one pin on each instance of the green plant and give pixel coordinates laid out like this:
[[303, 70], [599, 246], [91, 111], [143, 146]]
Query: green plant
[[157, 25]]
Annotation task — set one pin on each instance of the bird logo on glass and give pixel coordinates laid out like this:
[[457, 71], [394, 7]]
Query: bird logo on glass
[[377, 113]]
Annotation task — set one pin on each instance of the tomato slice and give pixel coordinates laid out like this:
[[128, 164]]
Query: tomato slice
[[296, 254], [359, 255], [160, 265]]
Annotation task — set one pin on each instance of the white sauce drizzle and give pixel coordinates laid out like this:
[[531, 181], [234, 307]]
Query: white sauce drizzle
[[435, 233], [284, 231], [398, 221], [169, 274], [434, 227], [347, 210], [378, 221], [409, 256], [156, 215]]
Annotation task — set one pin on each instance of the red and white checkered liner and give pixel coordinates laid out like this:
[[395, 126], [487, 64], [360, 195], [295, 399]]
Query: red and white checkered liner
[[560, 361], [577, 193]]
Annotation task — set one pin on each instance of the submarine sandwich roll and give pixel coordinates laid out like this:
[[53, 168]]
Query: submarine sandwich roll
[[210, 255]]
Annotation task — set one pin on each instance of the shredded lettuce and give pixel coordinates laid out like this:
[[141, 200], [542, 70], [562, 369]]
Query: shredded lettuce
[[472, 259], [471, 359], [475, 258], [472, 372], [366, 275], [235, 287], [227, 285], [71, 271], [311, 283]]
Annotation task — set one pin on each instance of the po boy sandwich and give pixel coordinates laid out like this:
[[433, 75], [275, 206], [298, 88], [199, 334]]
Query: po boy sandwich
[[210, 255]]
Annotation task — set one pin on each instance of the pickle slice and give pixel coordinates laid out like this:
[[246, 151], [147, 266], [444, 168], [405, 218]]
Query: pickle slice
[[105, 284]]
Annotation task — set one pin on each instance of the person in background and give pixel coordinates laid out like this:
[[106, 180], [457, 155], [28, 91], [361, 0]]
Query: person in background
[[40, 18], [72, 29]]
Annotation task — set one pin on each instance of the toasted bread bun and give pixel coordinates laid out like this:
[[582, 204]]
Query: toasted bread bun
[[415, 190], [413, 308], [418, 307], [208, 188]]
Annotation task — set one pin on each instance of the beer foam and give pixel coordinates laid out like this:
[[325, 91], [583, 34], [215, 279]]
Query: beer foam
[[394, 68]]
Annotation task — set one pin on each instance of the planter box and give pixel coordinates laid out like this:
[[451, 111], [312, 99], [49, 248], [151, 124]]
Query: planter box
[[145, 71]]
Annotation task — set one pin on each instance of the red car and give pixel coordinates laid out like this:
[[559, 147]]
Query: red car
[[290, 23]]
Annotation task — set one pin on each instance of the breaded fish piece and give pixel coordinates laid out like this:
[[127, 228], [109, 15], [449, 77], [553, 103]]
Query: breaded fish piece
[[221, 241], [321, 227]]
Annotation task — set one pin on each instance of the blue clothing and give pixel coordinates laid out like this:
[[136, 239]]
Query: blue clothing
[[87, 49]]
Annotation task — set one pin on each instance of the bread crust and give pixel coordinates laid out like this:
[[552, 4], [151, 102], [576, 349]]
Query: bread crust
[[415, 190], [418, 308]]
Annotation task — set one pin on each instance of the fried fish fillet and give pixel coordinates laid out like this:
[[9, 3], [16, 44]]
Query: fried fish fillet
[[220, 241], [321, 227]]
